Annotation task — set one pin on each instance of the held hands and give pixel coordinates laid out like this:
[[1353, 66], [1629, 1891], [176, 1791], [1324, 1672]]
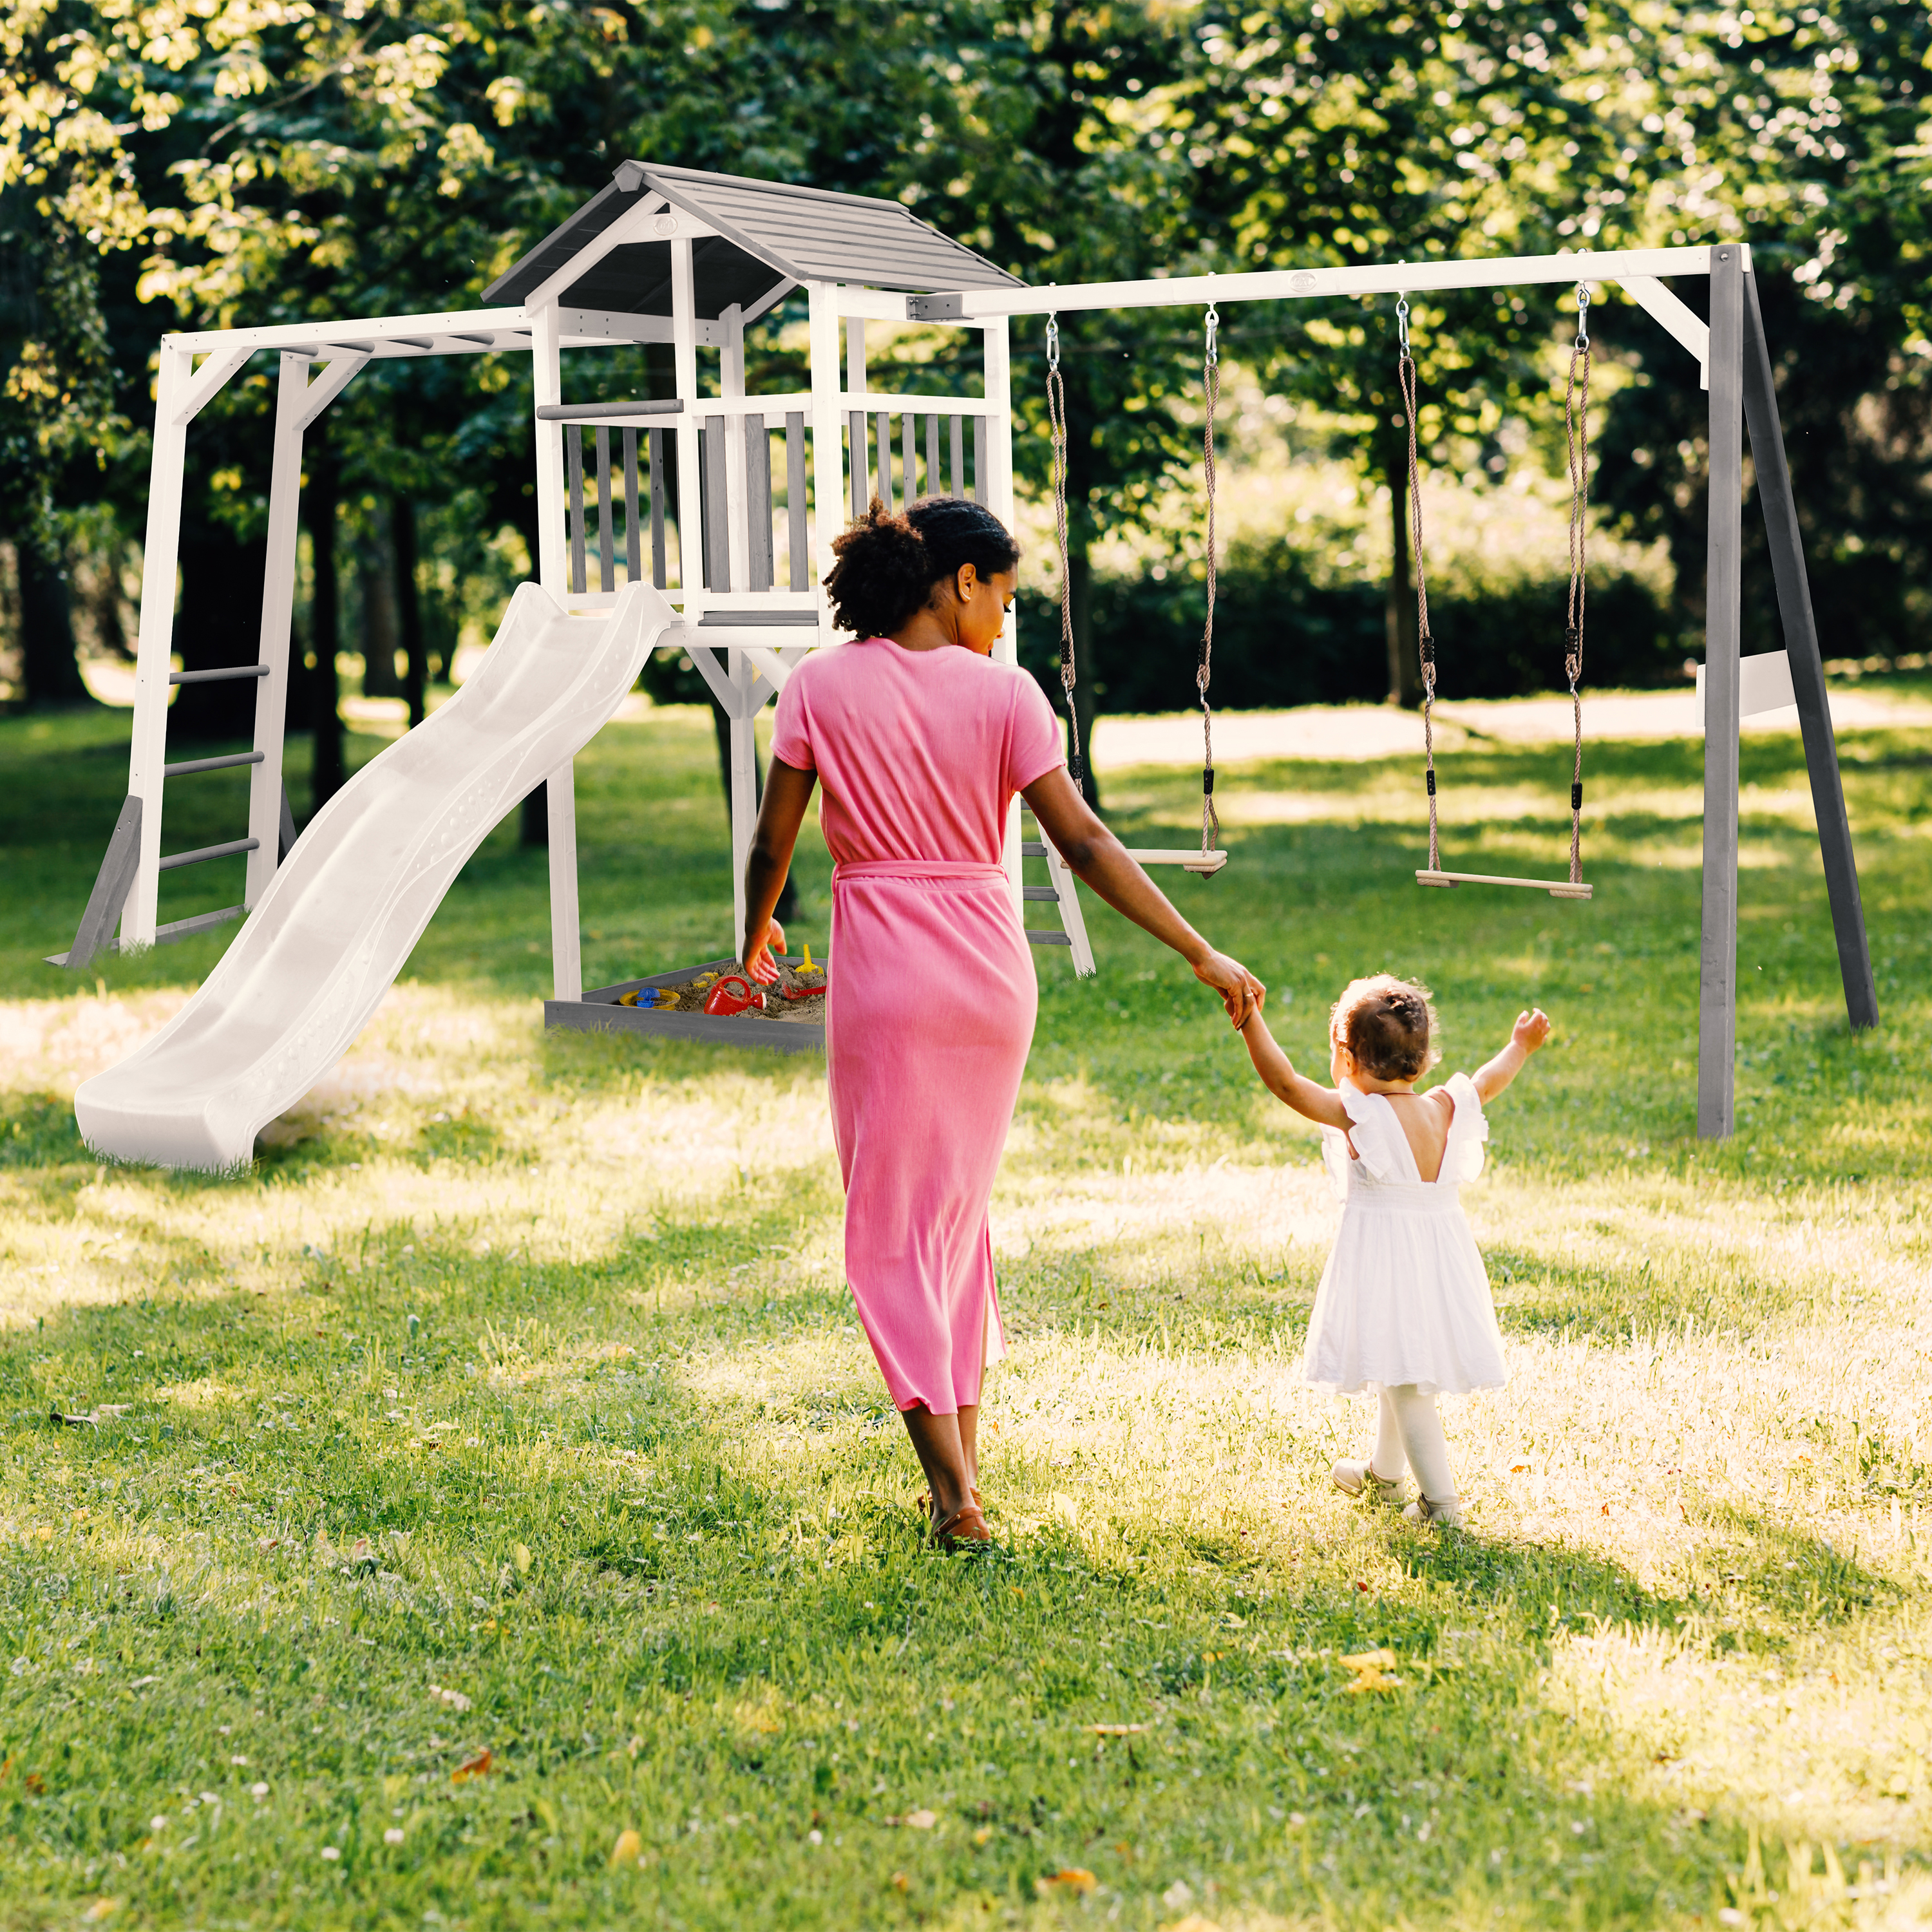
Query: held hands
[[758, 953], [1241, 993], [1531, 1031]]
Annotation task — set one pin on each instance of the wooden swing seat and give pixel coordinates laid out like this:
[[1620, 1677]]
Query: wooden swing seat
[[1557, 889], [1205, 864]]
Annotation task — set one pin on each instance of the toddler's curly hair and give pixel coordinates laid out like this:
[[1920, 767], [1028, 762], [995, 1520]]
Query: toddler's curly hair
[[1388, 1024]]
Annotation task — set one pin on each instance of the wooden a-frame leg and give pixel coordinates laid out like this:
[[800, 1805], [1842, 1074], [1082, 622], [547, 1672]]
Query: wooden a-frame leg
[[1717, 969], [112, 886], [1807, 667]]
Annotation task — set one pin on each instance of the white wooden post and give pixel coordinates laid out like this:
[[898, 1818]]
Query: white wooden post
[[996, 492], [155, 652], [553, 568], [828, 473], [278, 600], [737, 496], [855, 386], [690, 496], [744, 787]]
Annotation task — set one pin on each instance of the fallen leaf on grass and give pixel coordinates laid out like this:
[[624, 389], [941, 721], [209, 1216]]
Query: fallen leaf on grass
[[1370, 1668], [479, 1766], [627, 1849], [1194, 1922], [1072, 1878], [101, 1908], [36, 1783], [520, 1555], [900, 1881], [1116, 1730], [454, 1700]]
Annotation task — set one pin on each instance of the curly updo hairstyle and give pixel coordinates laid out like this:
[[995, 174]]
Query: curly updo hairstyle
[[1388, 1024], [888, 563]]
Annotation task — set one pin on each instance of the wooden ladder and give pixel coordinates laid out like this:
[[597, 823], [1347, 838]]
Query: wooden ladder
[[1062, 893]]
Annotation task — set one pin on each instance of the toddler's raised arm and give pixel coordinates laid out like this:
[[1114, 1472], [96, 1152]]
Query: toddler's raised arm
[[1321, 1104], [1531, 1031]]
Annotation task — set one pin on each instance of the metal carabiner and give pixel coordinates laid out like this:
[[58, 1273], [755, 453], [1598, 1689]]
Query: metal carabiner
[[1053, 339], [1583, 315], [1213, 323], [1401, 322]]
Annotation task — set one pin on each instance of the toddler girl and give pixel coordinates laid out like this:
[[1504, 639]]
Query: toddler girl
[[1404, 1302]]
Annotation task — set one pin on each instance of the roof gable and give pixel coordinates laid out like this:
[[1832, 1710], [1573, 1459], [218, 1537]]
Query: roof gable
[[768, 232]]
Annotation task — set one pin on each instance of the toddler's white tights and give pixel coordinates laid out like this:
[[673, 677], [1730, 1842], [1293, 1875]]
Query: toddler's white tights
[[1408, 1435]]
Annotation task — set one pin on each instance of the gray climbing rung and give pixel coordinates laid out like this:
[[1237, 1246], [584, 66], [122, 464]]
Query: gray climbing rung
[[1031, 848], [1040, 892], [1049, 938], [216, 677], [188, 765], [195, 858]]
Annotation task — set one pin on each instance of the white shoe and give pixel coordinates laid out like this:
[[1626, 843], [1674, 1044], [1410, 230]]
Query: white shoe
[[1448, 1510], [1353, 1478]]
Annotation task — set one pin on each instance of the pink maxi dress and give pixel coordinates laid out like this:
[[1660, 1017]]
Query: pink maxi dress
[[930, 1011]]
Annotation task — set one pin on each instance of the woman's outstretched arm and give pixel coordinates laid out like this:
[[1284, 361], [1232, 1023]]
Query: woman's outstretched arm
[[787, 793], [1099, 859]]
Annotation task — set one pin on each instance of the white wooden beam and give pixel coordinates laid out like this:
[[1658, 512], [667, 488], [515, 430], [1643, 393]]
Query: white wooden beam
[[1677, 318], [380, 330], [828, 471], [338, 373], [278, 597], [209, 380], [1388, 278]]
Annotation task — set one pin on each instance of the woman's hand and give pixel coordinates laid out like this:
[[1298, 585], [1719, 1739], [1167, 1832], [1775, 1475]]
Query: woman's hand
[[1241, 993], [758, 954]]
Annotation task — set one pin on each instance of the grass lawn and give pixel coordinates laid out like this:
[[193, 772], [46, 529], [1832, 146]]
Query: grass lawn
[[494, 1518]]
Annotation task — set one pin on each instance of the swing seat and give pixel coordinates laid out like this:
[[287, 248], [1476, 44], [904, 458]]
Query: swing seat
[[1205, 864], [1557, 889]]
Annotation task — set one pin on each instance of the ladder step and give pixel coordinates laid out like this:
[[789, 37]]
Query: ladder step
[[1040, 892], [195, 858], [1032, 848], [1038, 938], [188, 765], [215, 676], [175, 929]]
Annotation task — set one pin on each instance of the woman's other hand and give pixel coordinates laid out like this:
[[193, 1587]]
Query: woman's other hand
[[1241, 993], [758, 954]]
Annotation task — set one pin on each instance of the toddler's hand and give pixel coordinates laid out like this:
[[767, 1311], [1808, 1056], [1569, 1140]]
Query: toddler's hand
[[758, 956], [1531, 1031]]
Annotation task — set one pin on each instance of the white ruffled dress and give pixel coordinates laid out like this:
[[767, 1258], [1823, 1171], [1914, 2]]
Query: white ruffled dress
[[1404, 1298]]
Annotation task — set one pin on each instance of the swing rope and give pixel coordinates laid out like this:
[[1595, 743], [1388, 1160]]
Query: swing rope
[[1577, 431], [1211, 380], [1056, 421], [1405, 370]]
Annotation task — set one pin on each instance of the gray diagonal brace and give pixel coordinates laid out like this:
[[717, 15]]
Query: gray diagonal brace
[[112, 886], [1807, 667]]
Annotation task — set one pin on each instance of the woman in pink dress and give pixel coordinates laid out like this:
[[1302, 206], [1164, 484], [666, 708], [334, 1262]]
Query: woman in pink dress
[[921, 740]]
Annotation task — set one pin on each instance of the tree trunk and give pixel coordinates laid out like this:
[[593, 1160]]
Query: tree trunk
[[376, 571], [220, 626], [50, 673], [1080, 583], [1404, 673], [533, 822], [408, 608], [327, 773]]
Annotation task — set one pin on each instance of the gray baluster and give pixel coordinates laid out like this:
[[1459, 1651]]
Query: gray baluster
[[607, 568], [633, 562], [801, 562], [573, 465], [660, 566]]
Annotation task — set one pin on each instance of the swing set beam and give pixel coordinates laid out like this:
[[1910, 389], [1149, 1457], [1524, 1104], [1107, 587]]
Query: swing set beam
[[1736, 368]]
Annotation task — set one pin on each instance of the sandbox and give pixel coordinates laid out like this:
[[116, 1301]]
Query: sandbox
[[784, 1026]]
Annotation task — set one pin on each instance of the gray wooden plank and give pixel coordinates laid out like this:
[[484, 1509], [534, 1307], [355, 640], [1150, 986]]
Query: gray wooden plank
[[660, 567], [717, 525], [758, 503], [573, 467], [959, 479], [884, 492], [795, 488], [111, 884], [285, 835], [935, 485], [1717, 973], [909, 455], [634, 537], [607, 566], [978, 492], [1800, 626], [856, 463]]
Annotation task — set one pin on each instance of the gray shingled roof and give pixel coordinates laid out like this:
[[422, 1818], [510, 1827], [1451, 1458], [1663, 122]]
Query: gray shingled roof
[[768, 232]]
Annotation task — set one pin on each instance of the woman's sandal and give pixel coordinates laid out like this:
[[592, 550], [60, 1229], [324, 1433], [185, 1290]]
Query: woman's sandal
[[965, 1526]]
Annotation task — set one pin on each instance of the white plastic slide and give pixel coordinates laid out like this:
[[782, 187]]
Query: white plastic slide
[[310, 966]]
